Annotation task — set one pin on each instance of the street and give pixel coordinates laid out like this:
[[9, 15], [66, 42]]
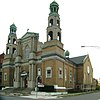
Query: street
[[14, 98], [92, 96]]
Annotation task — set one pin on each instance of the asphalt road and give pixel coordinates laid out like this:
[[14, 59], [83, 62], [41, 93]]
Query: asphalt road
[[92, 96], [13, 98]]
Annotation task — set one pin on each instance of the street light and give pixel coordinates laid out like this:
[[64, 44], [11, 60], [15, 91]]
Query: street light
[[91, 46]]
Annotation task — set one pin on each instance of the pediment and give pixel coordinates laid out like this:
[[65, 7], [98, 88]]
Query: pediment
[[27, 35]]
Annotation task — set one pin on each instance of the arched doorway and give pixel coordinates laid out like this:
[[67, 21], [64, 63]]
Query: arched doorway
[[24, 79]]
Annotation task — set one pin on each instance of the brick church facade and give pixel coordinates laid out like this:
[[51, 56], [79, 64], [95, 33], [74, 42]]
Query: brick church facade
[[28, 62]]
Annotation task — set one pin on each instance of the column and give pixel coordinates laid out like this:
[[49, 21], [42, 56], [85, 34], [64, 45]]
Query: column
[[29, 72], [32, 44], [18, 74], [19, 48], [15, 74], [32, 73], [31, 82]]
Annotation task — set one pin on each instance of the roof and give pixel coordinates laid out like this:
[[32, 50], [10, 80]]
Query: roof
[[78, 60], [54, 3], [13, 26], [28, 34]]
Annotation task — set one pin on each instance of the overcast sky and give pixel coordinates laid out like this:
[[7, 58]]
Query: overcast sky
[[80, 24]]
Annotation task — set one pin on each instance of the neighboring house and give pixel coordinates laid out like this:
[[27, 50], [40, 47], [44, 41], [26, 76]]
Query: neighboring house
[[1, 61], [28, 62]]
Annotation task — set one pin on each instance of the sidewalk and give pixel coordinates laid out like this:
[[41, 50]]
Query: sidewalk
[[40, 97], [43, 95]]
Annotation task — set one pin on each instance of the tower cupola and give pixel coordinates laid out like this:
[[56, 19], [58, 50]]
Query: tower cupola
[[13, 28], [54, 7]]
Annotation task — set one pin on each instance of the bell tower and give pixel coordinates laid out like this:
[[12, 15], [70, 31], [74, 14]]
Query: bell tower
[[11, 45], [53, 45], [9, 58], [53, 53], [53, 29]]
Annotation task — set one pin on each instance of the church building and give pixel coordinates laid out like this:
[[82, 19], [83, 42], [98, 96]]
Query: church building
[[29, 63]]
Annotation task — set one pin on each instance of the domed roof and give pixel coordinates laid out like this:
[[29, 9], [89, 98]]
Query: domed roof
[[54, 3], [13, 26], [67, 53]]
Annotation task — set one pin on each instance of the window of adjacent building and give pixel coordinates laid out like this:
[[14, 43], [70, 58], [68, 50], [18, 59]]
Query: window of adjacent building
[[39, 71], [48, 72], [60, 73], [70, 76], [5, 76]]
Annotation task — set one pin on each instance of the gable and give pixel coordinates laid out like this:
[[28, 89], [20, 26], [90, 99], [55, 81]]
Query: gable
[[28, 34]]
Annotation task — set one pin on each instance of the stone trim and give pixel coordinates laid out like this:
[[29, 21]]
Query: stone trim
[[53, 54]]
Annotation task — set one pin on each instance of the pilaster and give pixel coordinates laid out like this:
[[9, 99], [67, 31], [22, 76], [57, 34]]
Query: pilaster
[[17, 77], [31, 82]]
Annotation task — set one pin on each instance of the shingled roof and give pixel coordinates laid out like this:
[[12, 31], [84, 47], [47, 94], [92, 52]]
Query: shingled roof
[[78, 60]]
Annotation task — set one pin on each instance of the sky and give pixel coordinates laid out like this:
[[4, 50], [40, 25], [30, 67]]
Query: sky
[[80, 24]]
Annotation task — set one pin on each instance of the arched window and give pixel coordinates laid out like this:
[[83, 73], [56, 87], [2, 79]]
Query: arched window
[[9, 41], [12, 31], [88, 69], [7, 52], [51, 22], [50, 36], [59, 36], [57, 10], [39, 71], [54, 9], [71, 76], [58, 23], [51, 9], [65, 74], [60, 72], [14, 51], [26, 52], [14, 41]]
